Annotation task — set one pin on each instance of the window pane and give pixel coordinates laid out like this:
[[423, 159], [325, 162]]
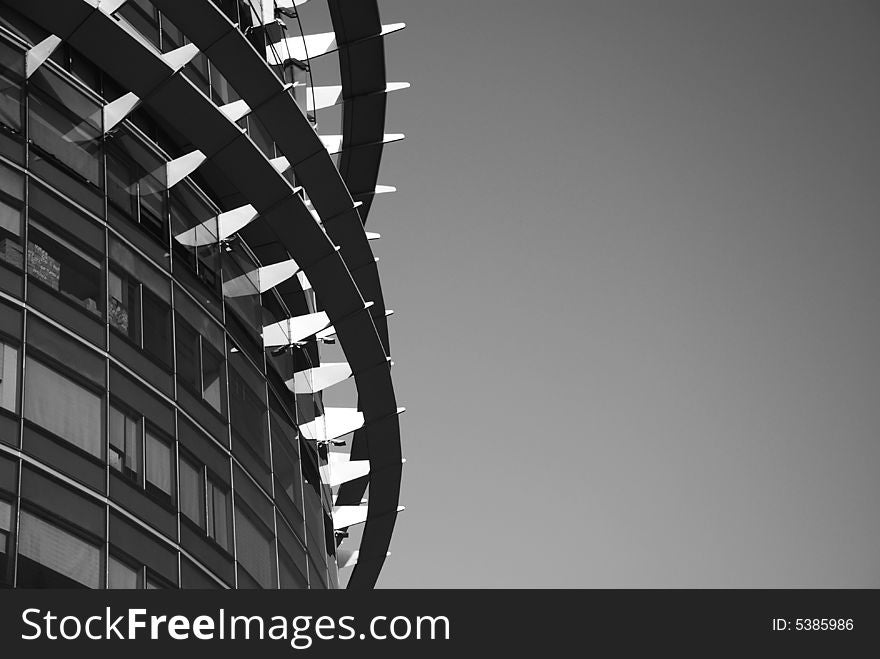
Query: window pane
[[255, 551], [247, 410], [213, 390], [136, 181], [142, 17], [59, 551], [11, 203], [192, 492], [291, 577], [75, 357], [10, 102], [241, 286], [288, 475], [139, 269], [121, 576], [157, 327], [194, 225], [63, 407], [66, 124], [188, 369], [158, 463], [197, 72], [5, 516], [58, 264], [125, 442], [8, 376], [116, 431], [124, 302], [122, 174], [218, 514], [10, 247], [221, 91], [10, 218]]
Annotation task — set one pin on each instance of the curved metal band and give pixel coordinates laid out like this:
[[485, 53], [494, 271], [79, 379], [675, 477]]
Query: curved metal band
[[284, 218], [255, 82], [362, 74]]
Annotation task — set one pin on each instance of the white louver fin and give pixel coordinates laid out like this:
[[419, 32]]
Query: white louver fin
[[328, 96], [294, 329], [319, 378], [178, 169], [36, 56], [260, 280], [333, 143], [345, 516], [336, 474], [180, 57], [336, 422], [218, 228], [313, 45], [116, 111], [235, 110]]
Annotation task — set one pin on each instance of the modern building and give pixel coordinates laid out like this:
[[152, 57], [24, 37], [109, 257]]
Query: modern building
[[185, 280]]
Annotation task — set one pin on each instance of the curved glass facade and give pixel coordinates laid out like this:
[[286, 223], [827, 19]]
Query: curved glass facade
[[147, 438]]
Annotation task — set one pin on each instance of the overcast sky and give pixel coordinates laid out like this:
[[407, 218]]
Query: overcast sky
[[634, 260]]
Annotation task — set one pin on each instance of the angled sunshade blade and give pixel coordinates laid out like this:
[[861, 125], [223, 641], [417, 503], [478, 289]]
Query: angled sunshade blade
[[272, 275], [178, 169], [38, 54], [347, 557], [294, 329], [304, 281], [333, 143], [319, 378], [328, 96], [217, 228], [235, 110], [301, 47], [110, 6], [336, 422], [326, 334], [379, 189], [116, 111], [391, 28], [261, 279], [231, 222], [313, 45], [323, 97], [345, 516], [180, 57], [281, 164], [344, 472]]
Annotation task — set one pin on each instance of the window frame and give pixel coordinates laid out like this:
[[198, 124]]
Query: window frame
[[138, 477], [202, 346], [81, 252], [208, 483], [154, 490], [7, 347], [34, 354]]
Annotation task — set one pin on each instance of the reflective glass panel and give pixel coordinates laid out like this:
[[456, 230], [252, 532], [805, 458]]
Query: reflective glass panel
[[63, 407]]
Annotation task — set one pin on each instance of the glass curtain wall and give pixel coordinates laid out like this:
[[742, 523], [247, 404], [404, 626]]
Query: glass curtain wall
[[116, 274]]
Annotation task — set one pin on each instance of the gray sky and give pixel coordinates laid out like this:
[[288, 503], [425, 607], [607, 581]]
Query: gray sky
[[634, 259]]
